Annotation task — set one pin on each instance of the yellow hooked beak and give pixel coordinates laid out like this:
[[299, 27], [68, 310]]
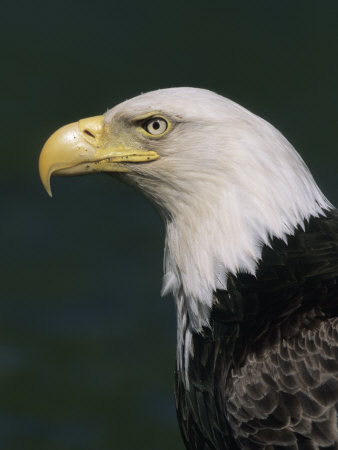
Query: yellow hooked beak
[[83, 147]]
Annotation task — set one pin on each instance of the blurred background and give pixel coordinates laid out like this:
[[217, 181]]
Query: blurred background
[[87, 346]]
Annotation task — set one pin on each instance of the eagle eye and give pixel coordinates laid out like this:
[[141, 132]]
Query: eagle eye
[[155, 126]]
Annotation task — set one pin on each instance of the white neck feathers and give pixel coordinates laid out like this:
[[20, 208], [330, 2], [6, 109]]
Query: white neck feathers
[[258, 189], [226, 183]]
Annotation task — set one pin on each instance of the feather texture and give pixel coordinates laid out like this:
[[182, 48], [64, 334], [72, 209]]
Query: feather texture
[[251, 256], [265, 375], [225, 183]]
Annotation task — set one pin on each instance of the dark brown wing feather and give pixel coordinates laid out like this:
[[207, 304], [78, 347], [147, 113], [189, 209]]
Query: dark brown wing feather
[[265, 375], [289, 391]]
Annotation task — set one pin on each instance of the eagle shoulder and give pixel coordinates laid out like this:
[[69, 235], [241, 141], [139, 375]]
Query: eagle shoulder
[[265, 373]]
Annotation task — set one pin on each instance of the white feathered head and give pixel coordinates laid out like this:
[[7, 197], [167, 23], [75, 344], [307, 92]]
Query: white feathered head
[[224, 180]]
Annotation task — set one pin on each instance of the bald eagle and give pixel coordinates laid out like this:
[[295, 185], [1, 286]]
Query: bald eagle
[[251, 257]]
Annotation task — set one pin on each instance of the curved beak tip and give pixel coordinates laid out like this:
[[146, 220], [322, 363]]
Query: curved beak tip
[[45, 176], [49, 191], [68, 147], [46, 185]]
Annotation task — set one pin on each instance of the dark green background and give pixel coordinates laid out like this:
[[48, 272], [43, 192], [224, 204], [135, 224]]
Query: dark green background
[[87, 346]]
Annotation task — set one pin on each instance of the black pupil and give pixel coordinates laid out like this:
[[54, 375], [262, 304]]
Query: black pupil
[[156, 125]]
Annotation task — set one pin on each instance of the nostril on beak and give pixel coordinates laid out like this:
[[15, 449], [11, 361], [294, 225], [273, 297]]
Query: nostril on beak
[[91, 129], [89, 133]]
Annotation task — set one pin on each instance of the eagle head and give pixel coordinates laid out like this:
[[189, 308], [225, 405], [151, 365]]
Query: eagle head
[[224, 180]]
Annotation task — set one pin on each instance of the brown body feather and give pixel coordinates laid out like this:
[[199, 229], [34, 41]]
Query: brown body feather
[[265, 375]]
